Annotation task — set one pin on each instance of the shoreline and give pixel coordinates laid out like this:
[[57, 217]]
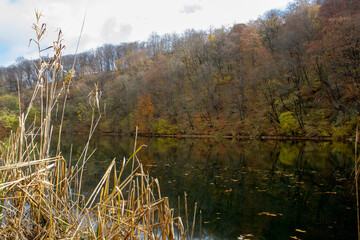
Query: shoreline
[[239, 137]]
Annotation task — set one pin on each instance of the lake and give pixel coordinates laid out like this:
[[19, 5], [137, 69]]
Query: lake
[[245, 188]]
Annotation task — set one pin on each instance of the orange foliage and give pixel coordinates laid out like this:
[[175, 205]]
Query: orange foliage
[[144, 113]]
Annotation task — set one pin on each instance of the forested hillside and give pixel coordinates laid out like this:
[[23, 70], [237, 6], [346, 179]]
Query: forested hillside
[[294, 72]]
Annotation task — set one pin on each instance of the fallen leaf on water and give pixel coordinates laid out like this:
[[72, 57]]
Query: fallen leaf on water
[[241, 237], [265, 190], [299, 230], [267, 214]]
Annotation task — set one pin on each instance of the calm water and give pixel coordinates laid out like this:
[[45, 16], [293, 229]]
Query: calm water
[[262, 189]]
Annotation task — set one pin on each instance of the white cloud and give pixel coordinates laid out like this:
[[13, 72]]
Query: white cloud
[[115, 21], [112, 31], [188, 9]]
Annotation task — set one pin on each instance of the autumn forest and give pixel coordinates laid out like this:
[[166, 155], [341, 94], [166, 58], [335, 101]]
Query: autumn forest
[[292, 72]]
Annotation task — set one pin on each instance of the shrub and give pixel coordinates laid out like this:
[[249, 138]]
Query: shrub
[[9, 103], [289, 124], [9, 112], [346, 129], [162, 127]]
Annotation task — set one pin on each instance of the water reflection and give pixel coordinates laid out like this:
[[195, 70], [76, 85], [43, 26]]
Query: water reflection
[[262, 189]]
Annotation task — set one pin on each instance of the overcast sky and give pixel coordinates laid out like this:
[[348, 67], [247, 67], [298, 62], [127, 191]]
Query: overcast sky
[[116, 21]]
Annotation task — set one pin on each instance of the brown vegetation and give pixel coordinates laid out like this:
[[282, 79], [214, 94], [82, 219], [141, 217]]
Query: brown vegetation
[[40, 193], [289, 73]]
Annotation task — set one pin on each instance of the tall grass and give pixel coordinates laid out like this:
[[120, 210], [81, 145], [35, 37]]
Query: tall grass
[[40, 193], [356, 178]]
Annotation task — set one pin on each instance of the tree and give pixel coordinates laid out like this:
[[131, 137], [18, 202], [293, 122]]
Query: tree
[[144, 113]]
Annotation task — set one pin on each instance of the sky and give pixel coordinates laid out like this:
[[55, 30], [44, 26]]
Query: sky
[[115, 21]]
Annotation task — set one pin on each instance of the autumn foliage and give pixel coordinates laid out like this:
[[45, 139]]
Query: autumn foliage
[[299, 66], [144, 113]]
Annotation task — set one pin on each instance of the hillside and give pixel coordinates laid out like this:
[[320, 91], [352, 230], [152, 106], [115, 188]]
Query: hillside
[[288, 73]]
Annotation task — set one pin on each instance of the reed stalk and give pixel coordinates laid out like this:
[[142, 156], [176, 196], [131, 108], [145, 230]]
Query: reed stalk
[[40, 194], [356, 168]]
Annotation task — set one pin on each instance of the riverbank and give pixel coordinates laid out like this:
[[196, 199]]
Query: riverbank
[[215, 136]]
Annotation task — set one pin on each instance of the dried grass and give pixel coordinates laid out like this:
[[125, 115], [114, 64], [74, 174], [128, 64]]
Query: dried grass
[[40, 194]]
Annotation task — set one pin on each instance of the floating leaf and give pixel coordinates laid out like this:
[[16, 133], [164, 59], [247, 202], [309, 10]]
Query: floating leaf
[[268, 214]]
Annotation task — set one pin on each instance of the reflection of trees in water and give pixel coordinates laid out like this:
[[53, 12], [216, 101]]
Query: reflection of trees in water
[[233, 181]]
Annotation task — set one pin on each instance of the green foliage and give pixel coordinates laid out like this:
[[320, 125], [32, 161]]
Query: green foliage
[[83, 113], [34, 114], [289, 124], [9, 103], [346, 129], [9, 120], [317, 123], [9, 112], [162, 127]]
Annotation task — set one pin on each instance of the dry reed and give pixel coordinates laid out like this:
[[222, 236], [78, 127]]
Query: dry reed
[[40, 194], [356, 178]]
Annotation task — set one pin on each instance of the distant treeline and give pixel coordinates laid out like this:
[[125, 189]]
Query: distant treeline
[[294, 72]]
